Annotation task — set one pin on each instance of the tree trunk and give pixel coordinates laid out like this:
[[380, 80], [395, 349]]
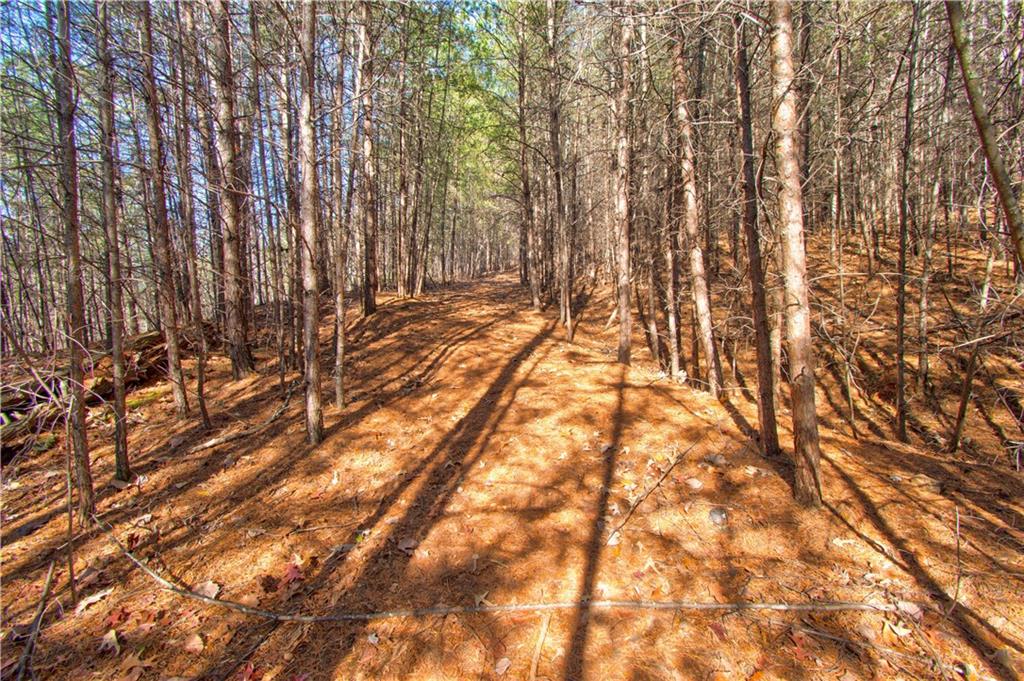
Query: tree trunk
[[989, 142], [759, 305], [122, 469], [901, 290], [622, 192], [187, 199], [688, 177], [308, 217], [369, 181], [238, 347], [64, 85], [529, 225], [807, 487], [162, 235]]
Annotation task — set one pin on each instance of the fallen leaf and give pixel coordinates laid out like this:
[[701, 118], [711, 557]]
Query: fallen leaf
[[292, 573], [898, 629], [694, 483], [373, 638], [407, 545], [502, 666], [911, 610], [719, 631], [117, 616], [110, 642], [208, 589], [250, 673], [120, 484], [194, 644], [93, 598]]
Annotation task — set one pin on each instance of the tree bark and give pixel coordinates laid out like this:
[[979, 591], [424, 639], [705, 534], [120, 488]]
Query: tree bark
[[989, 142], [187, 199], [688, 177], [308, 217], [64, 85], [622, 191], [369, 180], [238, 347], [904, 208], [759, 305], [162, 231], [122, 468], [807, 454]]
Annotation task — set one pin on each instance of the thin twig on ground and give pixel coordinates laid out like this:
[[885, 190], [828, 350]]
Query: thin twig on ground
[[37, 620], [231, 437], [609, 604]]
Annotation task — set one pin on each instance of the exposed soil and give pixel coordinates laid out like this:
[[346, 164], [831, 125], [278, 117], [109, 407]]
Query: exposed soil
[[483, 460]]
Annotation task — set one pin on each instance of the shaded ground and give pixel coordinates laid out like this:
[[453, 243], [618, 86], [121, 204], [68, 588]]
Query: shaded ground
[[483, 460]]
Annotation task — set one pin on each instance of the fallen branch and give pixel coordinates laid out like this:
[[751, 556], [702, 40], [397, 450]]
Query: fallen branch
[[639, 500], [443, 610], [248, 432], [540, 646], [37, 621]]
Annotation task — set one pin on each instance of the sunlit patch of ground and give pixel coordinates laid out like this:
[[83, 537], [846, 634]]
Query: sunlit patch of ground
[[482, 460]]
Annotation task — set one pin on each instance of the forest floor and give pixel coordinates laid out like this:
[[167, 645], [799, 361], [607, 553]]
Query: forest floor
[[482, 460]]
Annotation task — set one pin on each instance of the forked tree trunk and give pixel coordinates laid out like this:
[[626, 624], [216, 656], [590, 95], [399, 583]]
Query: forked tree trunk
[[807, 454]]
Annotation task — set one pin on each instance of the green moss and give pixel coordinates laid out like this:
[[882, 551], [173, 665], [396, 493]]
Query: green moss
[[45, 442]]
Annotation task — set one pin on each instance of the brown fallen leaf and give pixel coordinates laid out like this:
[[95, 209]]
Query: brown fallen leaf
[[502, 666], [209, 589], [93, 598], [194, 644]]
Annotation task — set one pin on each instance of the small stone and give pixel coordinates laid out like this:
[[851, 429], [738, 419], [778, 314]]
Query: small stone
[[718, 516], [715, 460]]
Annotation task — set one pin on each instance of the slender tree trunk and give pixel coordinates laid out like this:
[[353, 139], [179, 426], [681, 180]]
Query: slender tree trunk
[[698, 278], [622, 193], [340, 221], [238, 347], [162, 232], [807, 487], [989, 142], [967, 381], [529, 224], [309, 243], [369, 181], [64, 86], [122, 469], [762, 339], [187, 199], [555, 145], [904, 208]]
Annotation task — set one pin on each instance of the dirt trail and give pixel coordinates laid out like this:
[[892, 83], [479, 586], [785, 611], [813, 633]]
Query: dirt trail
[[483, 460]]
